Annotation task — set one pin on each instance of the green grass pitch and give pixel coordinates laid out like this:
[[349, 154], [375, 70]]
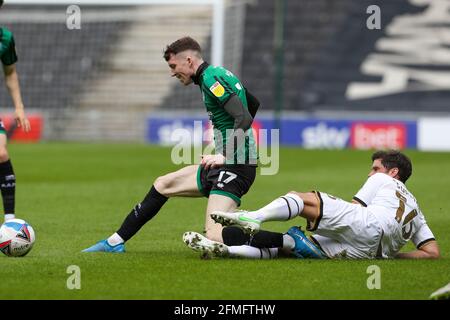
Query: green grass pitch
[[76, 194]]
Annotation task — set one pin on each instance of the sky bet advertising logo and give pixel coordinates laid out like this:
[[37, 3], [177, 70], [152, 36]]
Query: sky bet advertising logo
[[307, 133], [316, 134], [379, 135], [340, 134]]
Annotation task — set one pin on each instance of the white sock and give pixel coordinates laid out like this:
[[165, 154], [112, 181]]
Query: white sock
[[284, 208], [252, 252], [115, 239], [288, 242], [9, 216]]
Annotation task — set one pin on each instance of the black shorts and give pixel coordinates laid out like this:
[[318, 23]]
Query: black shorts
[[232, 181]]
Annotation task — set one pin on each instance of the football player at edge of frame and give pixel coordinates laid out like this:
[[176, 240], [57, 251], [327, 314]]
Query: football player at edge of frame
[[223, 177], [8, 57]]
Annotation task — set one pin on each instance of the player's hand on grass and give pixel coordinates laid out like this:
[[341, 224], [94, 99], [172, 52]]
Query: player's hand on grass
[[212, 160], [22, 120]]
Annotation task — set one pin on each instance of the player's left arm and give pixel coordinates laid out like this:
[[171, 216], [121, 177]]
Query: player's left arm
[[423, 239], [227, 96], [242, 122], [12, 84], [429, 250]]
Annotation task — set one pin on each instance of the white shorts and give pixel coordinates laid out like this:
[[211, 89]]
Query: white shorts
[[346, 230]]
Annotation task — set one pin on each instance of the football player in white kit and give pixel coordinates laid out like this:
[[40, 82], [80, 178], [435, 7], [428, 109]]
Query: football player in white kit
[[381, 219]]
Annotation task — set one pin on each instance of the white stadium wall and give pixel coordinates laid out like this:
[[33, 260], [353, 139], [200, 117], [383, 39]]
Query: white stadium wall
[[433, 134]]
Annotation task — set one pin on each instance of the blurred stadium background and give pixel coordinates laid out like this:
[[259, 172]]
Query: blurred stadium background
[[322, 75], [324, 78]]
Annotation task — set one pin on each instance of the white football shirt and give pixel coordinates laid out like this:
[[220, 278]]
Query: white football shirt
[[397, 211]]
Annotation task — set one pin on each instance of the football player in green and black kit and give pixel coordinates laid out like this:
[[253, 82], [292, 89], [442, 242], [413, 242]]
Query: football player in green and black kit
[[223, 177], [8, 58]]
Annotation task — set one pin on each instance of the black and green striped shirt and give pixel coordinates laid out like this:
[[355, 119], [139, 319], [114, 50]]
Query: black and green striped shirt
[[8, 54], [218, 85]]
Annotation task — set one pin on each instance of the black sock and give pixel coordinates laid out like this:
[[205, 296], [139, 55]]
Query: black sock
[[234, 236], [8, 186], [267, 239], [142, 213]]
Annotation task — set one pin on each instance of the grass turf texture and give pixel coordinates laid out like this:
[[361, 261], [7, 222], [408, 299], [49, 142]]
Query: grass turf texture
[[76, 194]]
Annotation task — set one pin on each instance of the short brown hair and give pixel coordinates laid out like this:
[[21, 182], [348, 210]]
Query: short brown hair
[[183, 44], [395, 159]]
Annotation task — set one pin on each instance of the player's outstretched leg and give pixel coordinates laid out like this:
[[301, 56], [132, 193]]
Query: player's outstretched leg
[[104, 246], [179, 183], [241, 218], [138, 216], [284, 208], [198, 242]]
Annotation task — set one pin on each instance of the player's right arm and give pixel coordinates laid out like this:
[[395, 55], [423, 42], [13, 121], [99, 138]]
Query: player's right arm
[[9, 59], [12, 83]]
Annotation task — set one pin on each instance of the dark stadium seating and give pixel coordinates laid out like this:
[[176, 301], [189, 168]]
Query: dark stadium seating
[[326, 43], [308, 25], [54, 64]]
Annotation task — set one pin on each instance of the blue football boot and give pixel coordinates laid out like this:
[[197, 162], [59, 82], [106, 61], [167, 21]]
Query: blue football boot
[[304, 248], [104, 246]]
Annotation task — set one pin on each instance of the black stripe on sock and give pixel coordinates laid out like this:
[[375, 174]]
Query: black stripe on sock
[[298, 207], [289, 207]]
